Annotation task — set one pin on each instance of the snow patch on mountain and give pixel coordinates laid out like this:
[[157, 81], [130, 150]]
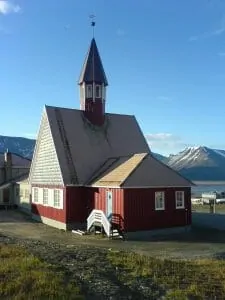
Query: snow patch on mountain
[[18, 145], [220, 152]]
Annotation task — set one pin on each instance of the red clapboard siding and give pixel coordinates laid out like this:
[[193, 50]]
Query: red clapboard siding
[[140, 213], [50, 212], [118, 207], [79, 203]]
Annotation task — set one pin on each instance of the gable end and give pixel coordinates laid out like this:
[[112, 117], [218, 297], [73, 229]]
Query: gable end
[[45, 168]]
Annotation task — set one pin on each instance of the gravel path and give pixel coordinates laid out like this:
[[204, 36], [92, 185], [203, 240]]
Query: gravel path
[[90, 269]]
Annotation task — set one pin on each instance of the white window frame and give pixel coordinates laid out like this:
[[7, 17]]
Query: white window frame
[[58, 205], [103, 92], [179, 197], [45, 196], [100, 91], [160, 196], [35, 193], [89, 91], [21, 194], [82, 92], [27, 194]]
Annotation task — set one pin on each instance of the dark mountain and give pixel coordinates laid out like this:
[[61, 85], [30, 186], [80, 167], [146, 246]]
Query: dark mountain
[[200, 163], [18, 145], [195, 163], [160, 157]]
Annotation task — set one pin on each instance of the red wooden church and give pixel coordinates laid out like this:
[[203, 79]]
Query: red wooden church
[[88, 161]]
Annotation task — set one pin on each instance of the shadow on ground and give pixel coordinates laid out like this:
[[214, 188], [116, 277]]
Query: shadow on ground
[[194, 235]]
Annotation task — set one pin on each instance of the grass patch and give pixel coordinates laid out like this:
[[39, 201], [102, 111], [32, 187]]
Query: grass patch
[[219, 208], [181, 280], [23, 276]]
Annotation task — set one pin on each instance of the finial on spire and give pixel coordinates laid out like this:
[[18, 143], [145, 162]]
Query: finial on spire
[[92, 17]]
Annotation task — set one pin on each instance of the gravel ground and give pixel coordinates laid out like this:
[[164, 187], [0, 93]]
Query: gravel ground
[[90, 269], [84, 259], [194, 244]]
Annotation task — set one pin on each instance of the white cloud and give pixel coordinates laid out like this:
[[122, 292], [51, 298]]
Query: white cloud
[[165, 143], [216, 32], [7, 7]]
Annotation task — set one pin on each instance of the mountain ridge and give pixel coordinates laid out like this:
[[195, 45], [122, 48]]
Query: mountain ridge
[[199, 163], [18, 145]]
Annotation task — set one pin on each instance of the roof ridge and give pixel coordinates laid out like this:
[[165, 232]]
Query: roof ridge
[[97, 174], [121, 172], [19, 155], [171, 169], [143, 156]]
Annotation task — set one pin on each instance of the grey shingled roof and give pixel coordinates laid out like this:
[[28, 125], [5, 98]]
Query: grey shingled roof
[[153, 173], [93, 70], [95, 152], [17, 160], [141, 170], [88, 147], [119, 171]]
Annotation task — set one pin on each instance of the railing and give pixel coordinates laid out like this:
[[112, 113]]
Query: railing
[[99, 216]]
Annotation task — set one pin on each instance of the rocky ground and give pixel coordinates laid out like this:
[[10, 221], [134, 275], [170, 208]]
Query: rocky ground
[[90, 269], [85, 259]]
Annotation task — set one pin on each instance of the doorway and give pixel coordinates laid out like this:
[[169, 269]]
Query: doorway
[[109, 208], [6, 195]]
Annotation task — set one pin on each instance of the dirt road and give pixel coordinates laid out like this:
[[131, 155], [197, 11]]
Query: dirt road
[[197, 243]]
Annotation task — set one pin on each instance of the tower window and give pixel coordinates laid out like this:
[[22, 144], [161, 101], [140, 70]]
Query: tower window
[[89, 91], [98, 91], [82, 91]]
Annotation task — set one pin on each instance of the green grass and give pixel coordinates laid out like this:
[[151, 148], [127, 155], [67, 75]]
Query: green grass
[[220, 208], [23, 276], [181, 280]]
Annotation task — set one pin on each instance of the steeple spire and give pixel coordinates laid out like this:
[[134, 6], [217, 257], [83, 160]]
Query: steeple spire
[[93, 83], [93, 70]]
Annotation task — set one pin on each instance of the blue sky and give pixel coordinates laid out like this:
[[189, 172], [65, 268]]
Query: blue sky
[[165, 63]]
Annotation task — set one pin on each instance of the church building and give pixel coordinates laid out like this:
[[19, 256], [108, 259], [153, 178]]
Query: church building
[[89, 161]]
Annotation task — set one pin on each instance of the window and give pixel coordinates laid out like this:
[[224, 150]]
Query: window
[[103, 92], [21, 193], [98, 91], [179, 199], [35, 195], [27, 194], [17, 191], [82, 91], [89, 91], [57, 198], [159, 201], [45, 196]]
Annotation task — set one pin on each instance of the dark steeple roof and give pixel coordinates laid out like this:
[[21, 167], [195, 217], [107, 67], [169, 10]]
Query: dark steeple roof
[[93, 68]]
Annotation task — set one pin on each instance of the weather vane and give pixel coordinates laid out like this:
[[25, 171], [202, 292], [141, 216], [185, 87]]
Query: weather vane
[[92, 17]]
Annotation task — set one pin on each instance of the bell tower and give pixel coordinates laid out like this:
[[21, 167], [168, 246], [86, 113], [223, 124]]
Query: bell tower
[[93, 84]]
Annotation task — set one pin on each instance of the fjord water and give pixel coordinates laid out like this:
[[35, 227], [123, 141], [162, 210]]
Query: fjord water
[[207, 186]]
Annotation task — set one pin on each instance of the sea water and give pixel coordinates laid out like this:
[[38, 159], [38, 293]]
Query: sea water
[[207, 186]]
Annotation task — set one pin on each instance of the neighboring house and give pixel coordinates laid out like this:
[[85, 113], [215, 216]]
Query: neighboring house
[[23, 198], [88, 160], [13, 167]]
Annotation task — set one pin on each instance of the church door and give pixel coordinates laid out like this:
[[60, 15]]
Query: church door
[[109, 203]]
